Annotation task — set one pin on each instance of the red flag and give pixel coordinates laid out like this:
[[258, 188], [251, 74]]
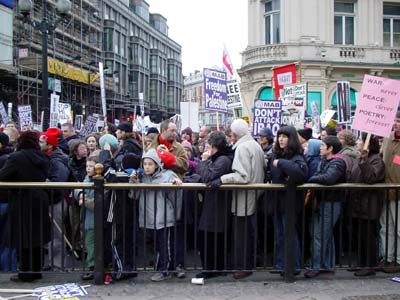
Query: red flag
[[284, 75]]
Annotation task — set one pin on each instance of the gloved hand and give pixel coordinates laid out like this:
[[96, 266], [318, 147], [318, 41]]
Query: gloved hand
[[216, 183]]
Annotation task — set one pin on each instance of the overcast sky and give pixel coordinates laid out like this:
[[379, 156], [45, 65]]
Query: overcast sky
[[196, 26]]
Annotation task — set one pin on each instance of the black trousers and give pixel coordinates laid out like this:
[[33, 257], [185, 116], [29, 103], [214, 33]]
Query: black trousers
[[211, 248], [243, 230], [30, 260]]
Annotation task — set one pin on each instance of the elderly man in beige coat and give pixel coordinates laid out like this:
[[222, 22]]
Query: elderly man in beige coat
[[247, 167]]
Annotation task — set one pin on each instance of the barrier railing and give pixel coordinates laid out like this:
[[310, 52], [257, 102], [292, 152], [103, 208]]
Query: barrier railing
[[192, 228]]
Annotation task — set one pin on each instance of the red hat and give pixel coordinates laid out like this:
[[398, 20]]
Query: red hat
[[52, 135], [167, 158]]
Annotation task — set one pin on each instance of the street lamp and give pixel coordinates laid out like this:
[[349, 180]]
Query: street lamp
[[45, 27]]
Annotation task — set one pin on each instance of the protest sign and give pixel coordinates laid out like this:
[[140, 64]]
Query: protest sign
[[377, 105], [3, 114], [78, 122], [283, 75], [267, 113], [60, 291], [215, 90], [64, 113], [316, 118], [293, 105], [343, 101], [90, 126], [54, 101], [25, 115], [326, 116], [233, 94]]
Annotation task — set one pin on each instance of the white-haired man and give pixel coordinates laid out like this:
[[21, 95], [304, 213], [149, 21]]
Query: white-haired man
[[247, 167]]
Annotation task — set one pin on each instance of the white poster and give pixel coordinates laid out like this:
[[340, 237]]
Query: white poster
[[64, 113], [326, 116], [190, 115], [25, 115], [294, 104], [233, 92]]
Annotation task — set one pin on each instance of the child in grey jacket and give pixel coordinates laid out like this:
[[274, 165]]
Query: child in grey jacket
[[159, 209]]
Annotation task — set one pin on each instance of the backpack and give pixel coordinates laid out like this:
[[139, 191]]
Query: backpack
[[349, 166]]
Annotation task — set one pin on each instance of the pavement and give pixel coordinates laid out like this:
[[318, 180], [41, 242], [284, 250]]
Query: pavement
[[343, 286]]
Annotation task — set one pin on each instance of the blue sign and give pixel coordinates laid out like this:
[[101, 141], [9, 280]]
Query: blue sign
[[8, 3], [215, 90], [267, 113]]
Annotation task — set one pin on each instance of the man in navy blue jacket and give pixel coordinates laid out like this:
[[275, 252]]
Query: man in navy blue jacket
[[331, 170]]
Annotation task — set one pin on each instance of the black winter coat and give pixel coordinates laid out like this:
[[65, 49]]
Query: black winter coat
[[29, 221], [77, 169], [296, 168], [330, 171], [216, 204], [58, 171], [367, 204]]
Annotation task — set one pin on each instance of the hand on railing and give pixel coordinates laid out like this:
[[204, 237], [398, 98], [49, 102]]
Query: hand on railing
[[216, 183]]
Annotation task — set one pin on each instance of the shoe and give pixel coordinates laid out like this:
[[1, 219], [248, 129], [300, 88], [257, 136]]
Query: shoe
[[311, 274], [160, 277], [295, 273], [208, 275], [391, 268], [87, 276], [364, 272], [107, 279], [25, 277], [241, 275], [180, 272]]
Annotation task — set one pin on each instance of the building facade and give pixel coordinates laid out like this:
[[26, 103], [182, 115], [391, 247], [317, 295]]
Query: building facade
[[143, 59], [133, 44], [328, 40]]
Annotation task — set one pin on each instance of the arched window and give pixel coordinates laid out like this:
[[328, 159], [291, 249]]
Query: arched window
[[266, 94]]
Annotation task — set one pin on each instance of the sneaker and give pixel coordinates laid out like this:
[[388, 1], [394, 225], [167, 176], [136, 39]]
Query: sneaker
[[107, 279], [364, 272], [180, 272], [160, 276]]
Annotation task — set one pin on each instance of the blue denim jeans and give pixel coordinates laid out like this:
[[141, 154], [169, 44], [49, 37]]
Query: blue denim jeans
[[279, 252], [323, 245]]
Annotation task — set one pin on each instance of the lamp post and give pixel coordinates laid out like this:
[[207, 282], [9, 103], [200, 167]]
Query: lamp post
[[63, 7]]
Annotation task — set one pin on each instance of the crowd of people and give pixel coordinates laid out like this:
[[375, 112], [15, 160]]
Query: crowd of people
[[215, 158]]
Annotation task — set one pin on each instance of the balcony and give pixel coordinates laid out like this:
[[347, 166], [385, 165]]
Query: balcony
[[317, 52]]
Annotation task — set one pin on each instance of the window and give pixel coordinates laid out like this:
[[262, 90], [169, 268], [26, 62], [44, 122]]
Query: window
[[272, 20], [344, 23], [391, 25]]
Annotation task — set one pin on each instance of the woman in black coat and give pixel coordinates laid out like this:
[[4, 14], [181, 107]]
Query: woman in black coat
[[214, 215], [287, 162], [28, 227]]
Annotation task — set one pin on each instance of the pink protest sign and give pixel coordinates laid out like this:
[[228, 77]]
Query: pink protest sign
[[377, 105]]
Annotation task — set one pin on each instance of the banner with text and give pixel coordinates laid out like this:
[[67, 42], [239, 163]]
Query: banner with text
[[3, 114], [215, 90], [343, 101], [377, 105], [267, 113], [293, 105], [25, 115], [283, 75], [233, 90], [54, 101], [90, 126]]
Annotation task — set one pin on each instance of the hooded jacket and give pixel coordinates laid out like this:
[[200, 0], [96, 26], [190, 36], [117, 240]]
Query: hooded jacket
[[158, 208]]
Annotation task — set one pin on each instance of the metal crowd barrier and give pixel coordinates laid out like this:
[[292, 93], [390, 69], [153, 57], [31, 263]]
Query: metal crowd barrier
[[235, 243]]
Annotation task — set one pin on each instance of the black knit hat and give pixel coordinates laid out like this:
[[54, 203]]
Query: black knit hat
[[305, 133], [131, 161], [125, 126]]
